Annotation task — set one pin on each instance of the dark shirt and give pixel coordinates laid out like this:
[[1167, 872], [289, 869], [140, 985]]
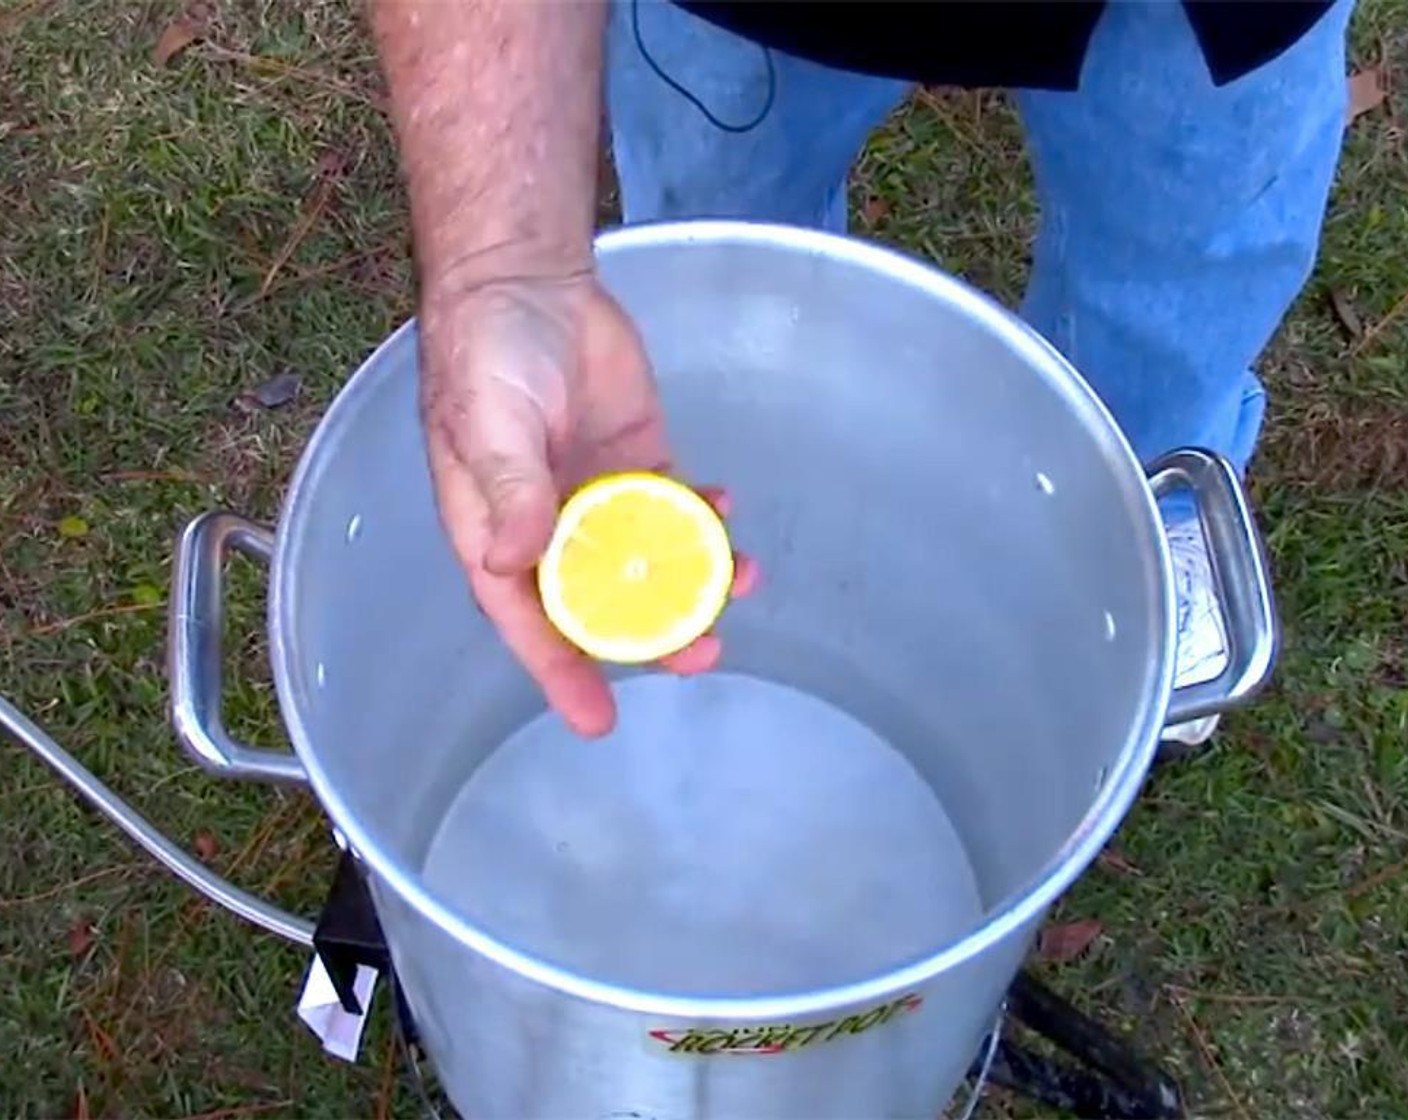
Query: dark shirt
[[1036, 44]]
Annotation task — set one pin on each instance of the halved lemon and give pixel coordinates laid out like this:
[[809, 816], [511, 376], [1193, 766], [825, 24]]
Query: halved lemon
[[638, 567]]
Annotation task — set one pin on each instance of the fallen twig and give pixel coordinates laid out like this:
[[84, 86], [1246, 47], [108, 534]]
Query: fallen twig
[[1377, 879], [152, 476], [322, 194], [100, 1039], [1375, 329], [295, 861], [239, 1110], [189, 917], [11, 20], [72, 884], [1204, 1049], [934, 103], [388, 1081], [293, 276], [1178, 991], [89, 616], [289, 70]]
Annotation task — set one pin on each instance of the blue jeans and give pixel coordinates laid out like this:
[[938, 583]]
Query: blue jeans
[[1178, 220]]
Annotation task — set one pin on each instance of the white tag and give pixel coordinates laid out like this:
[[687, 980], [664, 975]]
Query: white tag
[[318, 1006]]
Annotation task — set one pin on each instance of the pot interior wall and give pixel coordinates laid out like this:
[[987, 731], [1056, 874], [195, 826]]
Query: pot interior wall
[[948, 553]]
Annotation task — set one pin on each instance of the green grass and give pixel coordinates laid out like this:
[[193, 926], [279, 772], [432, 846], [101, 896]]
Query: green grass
[[172, 236]]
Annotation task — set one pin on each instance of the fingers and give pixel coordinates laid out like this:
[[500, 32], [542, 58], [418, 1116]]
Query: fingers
[[494, 391], [745, 568], [717, 497], [509, 465], [493, 438], [704, 653], [504, 494], [745, 575], [699, 656], [572, 683]]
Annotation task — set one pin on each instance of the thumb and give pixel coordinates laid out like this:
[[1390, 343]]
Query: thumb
[[510, 469]]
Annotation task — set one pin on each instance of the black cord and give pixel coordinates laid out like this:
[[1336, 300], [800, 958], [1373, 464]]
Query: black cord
[[688, 96]]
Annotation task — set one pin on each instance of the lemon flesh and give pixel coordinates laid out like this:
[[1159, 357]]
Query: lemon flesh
[[638, 567]]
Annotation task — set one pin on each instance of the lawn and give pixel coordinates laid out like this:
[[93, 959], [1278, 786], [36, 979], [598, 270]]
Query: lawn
[[175, 234]]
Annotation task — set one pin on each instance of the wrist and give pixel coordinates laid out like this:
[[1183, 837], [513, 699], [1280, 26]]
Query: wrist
[[503, 265]]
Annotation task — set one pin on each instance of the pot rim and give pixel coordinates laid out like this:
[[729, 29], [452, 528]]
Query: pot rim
[[1017, 911]]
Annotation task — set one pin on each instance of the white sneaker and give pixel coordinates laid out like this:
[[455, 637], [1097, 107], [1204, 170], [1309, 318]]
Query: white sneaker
[[1202, 637]]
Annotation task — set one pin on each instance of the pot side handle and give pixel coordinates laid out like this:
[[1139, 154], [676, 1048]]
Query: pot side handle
[[195, 657], [1241, 577], [184, 866]]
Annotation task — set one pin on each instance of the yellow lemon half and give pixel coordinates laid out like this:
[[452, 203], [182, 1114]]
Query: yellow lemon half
[[638, 567]]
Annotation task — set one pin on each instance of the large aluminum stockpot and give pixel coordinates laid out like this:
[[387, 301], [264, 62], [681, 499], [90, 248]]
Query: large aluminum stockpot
[[961, 556]]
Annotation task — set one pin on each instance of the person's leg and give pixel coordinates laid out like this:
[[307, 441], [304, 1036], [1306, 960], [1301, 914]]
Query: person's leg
[[1179, 222], [784, 135]]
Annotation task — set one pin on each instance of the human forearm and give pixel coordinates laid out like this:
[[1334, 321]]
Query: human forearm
[[497, 108]]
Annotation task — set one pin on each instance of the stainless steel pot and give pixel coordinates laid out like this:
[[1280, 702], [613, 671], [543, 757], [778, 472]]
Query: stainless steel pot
[[963, 563]]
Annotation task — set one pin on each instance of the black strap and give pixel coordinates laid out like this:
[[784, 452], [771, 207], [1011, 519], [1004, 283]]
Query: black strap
[[348, 933]]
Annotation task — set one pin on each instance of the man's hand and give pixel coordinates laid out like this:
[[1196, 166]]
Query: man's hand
[[530, 387], [532, 378]]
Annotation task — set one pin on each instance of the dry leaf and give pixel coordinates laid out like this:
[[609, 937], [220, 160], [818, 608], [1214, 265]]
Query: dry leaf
[[206, 846], [278, 391], [1345, 314], [1114, 860], [874, 210], [1066, 941], [179, 35], [331, 163], [1366, 91], [80, 937]]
